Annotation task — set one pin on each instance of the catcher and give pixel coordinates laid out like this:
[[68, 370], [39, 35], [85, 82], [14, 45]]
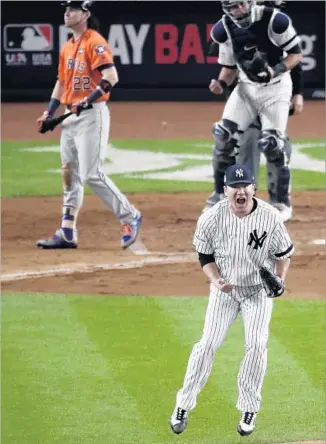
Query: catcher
[[259, 45], [246, 151]]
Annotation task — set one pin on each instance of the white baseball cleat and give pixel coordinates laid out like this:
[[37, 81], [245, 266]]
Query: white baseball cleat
[[247, 423], [178, 420], [285, 211]]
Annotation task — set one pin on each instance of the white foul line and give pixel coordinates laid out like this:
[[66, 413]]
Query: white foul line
[[319, 242], [166, 258]]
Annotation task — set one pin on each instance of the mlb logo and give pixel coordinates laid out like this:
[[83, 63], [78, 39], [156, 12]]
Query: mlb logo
[[28, 37]]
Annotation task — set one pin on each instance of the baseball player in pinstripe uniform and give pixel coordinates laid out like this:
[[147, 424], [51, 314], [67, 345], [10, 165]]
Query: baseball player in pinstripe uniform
[[234, 239], [261, 46]]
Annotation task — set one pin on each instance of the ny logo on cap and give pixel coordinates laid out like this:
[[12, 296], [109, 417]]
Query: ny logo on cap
[[239, 172]]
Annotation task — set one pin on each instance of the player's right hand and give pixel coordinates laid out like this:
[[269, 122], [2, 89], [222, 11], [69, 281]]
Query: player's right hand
[[224, 286], [42, 119], [215, 87], [297, 103]]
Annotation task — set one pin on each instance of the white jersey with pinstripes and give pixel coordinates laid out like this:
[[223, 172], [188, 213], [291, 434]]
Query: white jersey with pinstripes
[[241, 245]]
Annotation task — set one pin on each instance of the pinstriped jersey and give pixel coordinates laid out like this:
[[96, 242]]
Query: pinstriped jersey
[[241, 245]]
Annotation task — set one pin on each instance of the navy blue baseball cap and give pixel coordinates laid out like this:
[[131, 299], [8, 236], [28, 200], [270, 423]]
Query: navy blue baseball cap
[[237, 175], [85, 5]]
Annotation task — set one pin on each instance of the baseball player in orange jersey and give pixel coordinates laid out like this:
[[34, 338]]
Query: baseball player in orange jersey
[[86, 76]]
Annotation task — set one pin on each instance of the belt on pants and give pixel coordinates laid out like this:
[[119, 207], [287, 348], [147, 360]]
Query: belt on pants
[[70, 107], [270, 84]]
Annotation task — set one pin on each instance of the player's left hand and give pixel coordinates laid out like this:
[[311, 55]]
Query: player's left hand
[[258, 69], [80, 106], [273, 285], [41, 120], [297, 103], [266, 75]]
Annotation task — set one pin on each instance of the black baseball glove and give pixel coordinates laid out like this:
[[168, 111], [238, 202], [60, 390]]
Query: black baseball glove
[[273, 285], [258, 69]]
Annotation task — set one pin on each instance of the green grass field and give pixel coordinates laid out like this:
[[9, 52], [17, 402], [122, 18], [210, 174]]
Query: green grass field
[[85, 369], [25, 173]]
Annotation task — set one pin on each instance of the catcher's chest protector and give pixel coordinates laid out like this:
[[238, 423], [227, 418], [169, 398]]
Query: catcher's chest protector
[[245, 42]]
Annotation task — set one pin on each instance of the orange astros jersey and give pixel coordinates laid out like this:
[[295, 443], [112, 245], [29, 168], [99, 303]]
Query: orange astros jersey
[[78, 65]]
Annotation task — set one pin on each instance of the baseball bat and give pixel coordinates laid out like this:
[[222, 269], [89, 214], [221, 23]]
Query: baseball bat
[[50, 124]]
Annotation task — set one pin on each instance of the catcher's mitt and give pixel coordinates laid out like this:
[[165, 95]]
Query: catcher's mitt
[[273, 285], [258, 69]]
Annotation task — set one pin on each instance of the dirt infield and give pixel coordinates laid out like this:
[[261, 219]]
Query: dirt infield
[[169, 223], [156, 120], [169, 267]]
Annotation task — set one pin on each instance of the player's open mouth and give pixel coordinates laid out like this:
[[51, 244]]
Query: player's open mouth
[[241, 200]]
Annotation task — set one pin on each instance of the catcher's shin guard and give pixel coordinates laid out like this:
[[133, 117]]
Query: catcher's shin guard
[[271, 145], [224, 133], [223, 157], [283, 185], [220, 168]]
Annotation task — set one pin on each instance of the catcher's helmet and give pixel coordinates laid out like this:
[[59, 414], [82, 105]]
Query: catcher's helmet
[[240, 12], [85, 5]]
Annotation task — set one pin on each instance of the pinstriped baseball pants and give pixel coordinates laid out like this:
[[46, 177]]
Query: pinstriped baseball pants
[[222, 310]]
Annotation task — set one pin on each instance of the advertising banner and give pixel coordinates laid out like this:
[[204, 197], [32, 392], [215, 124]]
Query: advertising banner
[[157, 45]]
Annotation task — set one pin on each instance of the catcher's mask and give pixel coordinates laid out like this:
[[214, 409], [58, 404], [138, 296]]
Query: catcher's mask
[[240, 12]]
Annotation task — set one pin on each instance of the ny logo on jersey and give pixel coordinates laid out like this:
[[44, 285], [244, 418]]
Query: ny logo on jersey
[[258, 241], [239, 172]]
